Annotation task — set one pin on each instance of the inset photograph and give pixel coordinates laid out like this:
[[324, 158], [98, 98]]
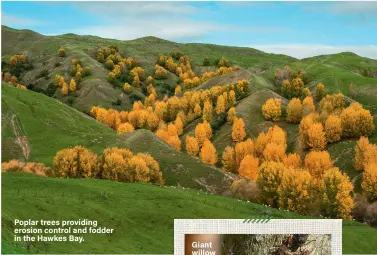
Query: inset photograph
[[263, 244]]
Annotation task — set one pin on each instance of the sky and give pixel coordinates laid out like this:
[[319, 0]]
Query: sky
[[298, 29]]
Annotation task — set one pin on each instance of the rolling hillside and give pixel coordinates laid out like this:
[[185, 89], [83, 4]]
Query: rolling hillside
[[35, 126], [50, 126], [139, 230], [95, 89]]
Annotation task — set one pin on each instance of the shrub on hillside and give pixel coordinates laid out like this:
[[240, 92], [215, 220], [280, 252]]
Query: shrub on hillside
[[61, 52], [245, 189], [30, 167], [365, 211]]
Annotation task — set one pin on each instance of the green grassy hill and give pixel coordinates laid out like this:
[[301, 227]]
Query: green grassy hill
[[35, 127], [122, 206], [50, 126], [95, 89]]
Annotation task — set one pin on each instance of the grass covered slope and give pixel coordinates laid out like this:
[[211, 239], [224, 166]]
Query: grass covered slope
[[45, 126], [142, 215], [48, 125], [95, 89]]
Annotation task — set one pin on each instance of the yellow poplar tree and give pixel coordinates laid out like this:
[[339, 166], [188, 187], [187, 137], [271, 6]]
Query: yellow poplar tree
[[65, 89], [274, 152], [192, 145], [362, 146], [77, 162], [238, 130], [72, 85], [272, 109], [242, 149], [369, 183], [127, 88], [207, 111], [333, 128], [294, 110], [179, 125], [308, 106], [249, 167], [320, 91], [125, 128], [136, 81], [208, 153], [269, 180], [178, 91], [296, 191], [337, 188], [220, 105], [232, 98], [229, 159], [292, 161], [231, 115], [316, 136], [318, 162]]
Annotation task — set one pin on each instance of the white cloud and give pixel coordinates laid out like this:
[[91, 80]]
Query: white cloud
[[174, 30], [139, 10], [355, 7], [131, 20], [167, 20], [306, 50], [17, 21]]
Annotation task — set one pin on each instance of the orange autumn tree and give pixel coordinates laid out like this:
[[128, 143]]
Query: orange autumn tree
[[333, 128], [316, 136], [242, 149], [308, 106], [179, 125], [231, 115], [229, 159], [292, 161], [356, 121], [369, 183], [72, 85], [178, 91], [274, 134], [249, 167], [61, 52], [337, 189], [114, 163], [294, 110], [320, 91], [318, 162], [274, 152], [207, 111], [203, 131], [125, 128], [269, 180], [208, 153], [304, 127], [127, 88], [120, 164], [192, 146], [170, 136], [65, 89], [365, 153], [29, 167], [296, 191], [220, 105], [232, 98], [272, 109], [77, 162], [173, 106], [238, 130]]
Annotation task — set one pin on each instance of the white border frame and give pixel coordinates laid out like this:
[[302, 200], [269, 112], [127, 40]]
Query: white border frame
[[274, 226]]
